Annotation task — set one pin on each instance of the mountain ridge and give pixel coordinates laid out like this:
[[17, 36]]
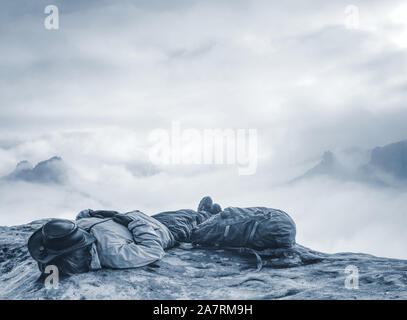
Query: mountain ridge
[[387, 166], [52, 170]]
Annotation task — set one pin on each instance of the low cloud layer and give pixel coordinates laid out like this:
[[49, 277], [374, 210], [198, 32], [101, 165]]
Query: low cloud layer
[[331, 215]]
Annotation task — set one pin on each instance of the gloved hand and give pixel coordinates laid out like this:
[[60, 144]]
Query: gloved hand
[[103, 214], [123, 219]]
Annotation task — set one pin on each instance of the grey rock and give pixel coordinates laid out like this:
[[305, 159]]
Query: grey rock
[[207, 273]]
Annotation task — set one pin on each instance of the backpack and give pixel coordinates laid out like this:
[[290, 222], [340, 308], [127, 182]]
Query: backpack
[[257, 228]]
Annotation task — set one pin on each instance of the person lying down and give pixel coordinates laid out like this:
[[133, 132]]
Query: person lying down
[[109, 239]]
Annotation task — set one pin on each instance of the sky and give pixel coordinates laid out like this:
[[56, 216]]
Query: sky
[[94, 90]]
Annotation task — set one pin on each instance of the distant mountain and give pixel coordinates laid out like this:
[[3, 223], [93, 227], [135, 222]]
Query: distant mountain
[[385, 166], [391, 158], [52, 170], [328, 166]]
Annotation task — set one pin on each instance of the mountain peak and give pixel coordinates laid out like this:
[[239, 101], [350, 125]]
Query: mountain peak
[[23, 165], [52, 170], [387, 166], [391, 158], [328, 157]]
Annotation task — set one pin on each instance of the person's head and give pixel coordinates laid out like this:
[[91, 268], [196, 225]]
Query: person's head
[[62, 243], [74, 262]]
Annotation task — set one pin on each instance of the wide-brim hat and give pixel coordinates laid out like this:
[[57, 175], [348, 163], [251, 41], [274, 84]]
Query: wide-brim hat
[[57, 237]]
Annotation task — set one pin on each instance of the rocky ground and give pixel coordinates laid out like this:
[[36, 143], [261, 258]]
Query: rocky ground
[[205, 273]]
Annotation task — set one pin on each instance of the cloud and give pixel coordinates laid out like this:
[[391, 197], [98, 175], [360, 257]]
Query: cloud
[[330, 215]]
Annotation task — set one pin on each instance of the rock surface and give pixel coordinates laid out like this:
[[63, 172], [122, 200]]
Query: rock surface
[[203, 273]]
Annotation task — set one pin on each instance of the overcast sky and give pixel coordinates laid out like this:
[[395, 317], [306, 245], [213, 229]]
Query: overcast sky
[[93, 90]]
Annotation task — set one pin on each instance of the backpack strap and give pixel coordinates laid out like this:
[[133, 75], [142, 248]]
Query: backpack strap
[[245, 250], [225, 234], [96, 223], [250, 234], [254, 228], [87, 229]]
